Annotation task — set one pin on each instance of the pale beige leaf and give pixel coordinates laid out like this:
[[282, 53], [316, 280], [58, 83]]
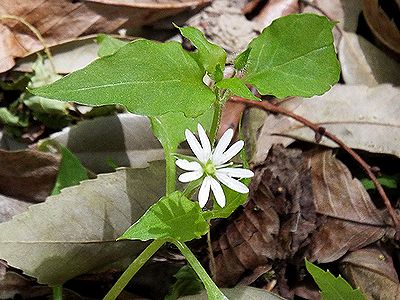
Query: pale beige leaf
[[363, 63], [124, 140], [363, 117], [74, 232]]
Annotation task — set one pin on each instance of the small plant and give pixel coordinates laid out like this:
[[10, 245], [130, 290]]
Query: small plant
[[293, 57]]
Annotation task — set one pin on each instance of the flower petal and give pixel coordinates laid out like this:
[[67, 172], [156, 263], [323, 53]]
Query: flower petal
[[231, 152], [232, 183], [205, 142], [190, 176], [204, 191], [188, 165], [218, 192], [194, 144], [236, 172], [222, 145]]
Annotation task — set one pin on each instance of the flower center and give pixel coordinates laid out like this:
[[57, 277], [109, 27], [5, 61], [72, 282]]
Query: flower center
[[209, 168]]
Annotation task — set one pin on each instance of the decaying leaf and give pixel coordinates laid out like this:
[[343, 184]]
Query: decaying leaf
[[372, 270], [27, 174], [122, 140], [10, 207], [84, 18], [13, 285], [363, 63], [300, 205], [239, 293], [363, 117], [74, 232], [275, 221]]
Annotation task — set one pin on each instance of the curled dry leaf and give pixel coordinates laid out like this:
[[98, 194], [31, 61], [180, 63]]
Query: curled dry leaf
[[53, 17], [351, 221], [362, 117], [75, 231], [363, 63], [27, 174], [122, 140], [275, 9], [372, 270], [299, 205]]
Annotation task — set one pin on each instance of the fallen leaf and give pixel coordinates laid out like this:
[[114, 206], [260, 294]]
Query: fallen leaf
[[273, 224], [27, 174], [363, 117], [14, 285], [10, 207], [363, 63], [239, 293], [372, 270], [74, 232], [64, 20], [275, 9], [351, 221], [122, 140]]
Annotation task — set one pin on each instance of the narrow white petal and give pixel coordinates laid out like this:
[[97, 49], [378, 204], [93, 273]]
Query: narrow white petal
[[236, 172], [222, 145], [204, 191], [232, 183], [188, 165], [231, 152], [218, 192], [194, 144], [190, 176], [205, 142]]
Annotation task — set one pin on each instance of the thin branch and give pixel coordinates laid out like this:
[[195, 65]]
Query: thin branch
[[319, 132]]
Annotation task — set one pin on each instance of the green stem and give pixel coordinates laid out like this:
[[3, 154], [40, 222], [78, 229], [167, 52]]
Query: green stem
[[213, 291], [215, 121], [57, 292], [170, 170], [133, 268]]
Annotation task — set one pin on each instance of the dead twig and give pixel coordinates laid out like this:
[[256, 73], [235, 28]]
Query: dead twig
[[319, 132]]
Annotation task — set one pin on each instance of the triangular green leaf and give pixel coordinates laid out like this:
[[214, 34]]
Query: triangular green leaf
[[149, 78], [173, 216], [332, 288], [237, 87], [241, 59], [208, 55], [294, 56]]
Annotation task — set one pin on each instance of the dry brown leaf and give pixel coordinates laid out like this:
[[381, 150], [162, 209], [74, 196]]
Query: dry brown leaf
[[351, 219], [13, 285], [363, 117], [27, 174], [274, 223], [363, 63], [61, 20], [372, 270], [10, 207]]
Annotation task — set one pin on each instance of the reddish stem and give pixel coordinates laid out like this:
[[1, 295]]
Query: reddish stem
[[320, 131]]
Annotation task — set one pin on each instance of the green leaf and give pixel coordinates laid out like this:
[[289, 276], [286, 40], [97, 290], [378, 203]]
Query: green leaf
[[388, 181], [241, 59], [108, 44], [149, 78], [332, 288], [208, 55], [71, 172], [187, 283], [170, 128], [237, 87], [173, 216], [7, 118], [294, 56]]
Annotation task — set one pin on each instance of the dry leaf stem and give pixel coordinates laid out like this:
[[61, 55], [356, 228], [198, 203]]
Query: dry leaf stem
[[319, 132]]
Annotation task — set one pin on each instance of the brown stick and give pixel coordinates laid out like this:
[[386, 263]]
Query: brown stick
[[320, 131]]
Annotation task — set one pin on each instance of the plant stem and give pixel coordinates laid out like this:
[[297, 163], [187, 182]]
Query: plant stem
[[170, 172], [320, 131], [133, 268], [213, 291], [57, 292], [215, 121]]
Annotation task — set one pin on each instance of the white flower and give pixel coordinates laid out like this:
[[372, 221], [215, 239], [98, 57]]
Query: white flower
[[211, 164]]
